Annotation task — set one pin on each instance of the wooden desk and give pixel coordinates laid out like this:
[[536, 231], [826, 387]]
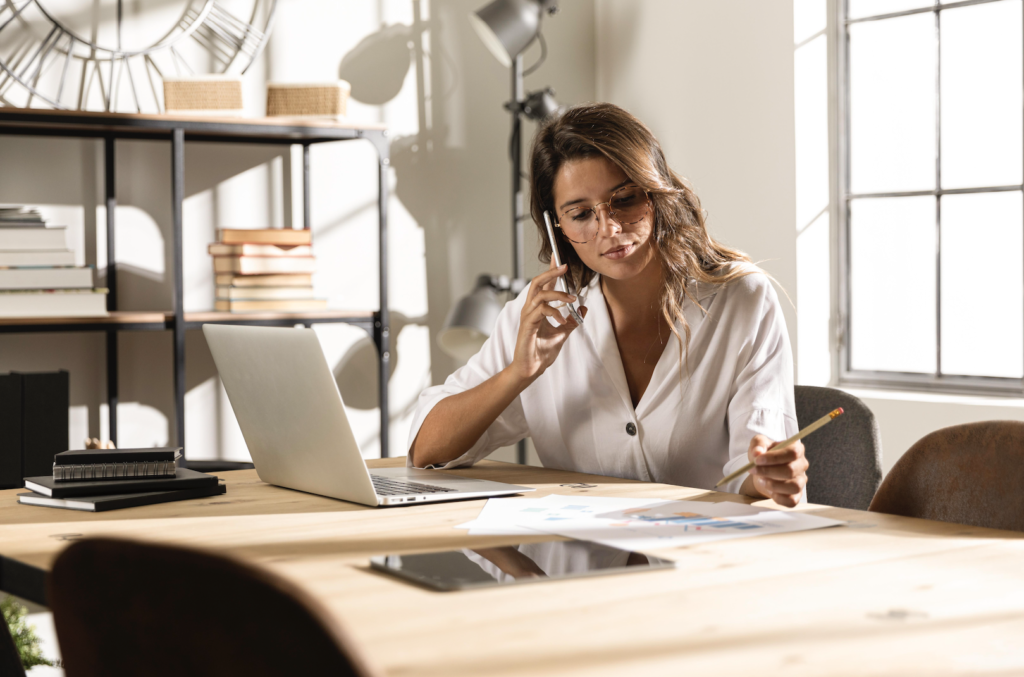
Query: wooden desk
[[883, 596]]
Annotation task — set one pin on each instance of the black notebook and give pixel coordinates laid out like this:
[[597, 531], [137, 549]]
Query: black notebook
[[80, 465], [183, 479], [115, 501]]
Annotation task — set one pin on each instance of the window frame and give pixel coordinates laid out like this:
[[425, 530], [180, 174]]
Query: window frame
[[846, 375]]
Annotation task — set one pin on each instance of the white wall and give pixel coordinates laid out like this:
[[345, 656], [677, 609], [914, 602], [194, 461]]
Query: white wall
[[714, 82], [448, 217]]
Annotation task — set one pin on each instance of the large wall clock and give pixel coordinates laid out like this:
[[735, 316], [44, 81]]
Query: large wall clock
[[112, 55]]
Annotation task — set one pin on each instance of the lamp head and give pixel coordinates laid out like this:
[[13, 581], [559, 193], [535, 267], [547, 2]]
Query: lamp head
[[471, 320], [507, 27], [541, 104]]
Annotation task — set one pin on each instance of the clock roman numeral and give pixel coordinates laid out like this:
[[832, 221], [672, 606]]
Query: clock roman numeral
[[224, 35], [31, 58], [9, 13]]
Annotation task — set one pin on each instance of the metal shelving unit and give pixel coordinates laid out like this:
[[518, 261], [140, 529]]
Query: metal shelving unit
[[178, 130]]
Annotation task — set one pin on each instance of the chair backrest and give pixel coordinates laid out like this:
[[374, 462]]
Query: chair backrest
[[10, 661], [846, 455], [967, 474], [126, 608]]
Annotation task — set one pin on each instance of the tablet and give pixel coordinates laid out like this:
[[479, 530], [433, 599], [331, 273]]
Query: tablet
[[516, 564]]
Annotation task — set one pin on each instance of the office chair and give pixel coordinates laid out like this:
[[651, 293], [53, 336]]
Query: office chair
[[967, 474], [846, 455], [124, 608]]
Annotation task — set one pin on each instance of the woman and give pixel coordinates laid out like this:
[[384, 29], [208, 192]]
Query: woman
[[682, 371]]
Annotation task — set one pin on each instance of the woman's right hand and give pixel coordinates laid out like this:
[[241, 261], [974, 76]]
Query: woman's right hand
[[538, 342], [458, 421]]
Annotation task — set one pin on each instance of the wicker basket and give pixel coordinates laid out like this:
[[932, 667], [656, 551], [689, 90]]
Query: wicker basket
[[220, 95], [320, 100]]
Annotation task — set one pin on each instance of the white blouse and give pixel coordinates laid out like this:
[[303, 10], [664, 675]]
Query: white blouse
[[693, 424]]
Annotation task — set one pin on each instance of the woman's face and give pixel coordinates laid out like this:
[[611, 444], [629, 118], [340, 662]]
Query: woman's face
[[617, 252]]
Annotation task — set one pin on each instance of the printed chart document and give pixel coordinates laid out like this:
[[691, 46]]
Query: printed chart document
[[635, 523], [527, 516]]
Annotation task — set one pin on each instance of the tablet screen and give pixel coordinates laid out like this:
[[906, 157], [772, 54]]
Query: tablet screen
[[507, 565]]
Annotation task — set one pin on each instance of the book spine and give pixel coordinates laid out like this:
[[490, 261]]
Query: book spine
[[44, 416], [112, 471], [10, 431]]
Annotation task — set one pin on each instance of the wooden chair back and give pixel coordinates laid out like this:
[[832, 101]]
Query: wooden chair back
[[967, 474], [127, 608]]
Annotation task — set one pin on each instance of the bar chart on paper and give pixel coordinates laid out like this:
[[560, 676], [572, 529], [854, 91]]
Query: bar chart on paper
[[689, 521], [680, 523], [636, 523]]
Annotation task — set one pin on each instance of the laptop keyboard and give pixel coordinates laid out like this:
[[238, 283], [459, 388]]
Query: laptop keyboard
[[386, 486]]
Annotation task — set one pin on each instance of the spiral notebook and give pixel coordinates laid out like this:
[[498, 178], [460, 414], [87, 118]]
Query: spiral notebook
[[86, 465], [183, 479]]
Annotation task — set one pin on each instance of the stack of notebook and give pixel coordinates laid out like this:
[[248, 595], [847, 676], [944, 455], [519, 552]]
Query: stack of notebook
[[38, 275], [106, 479], [269, 269]]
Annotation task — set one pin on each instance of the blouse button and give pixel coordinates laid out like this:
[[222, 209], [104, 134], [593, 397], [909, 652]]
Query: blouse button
[[630, 429]]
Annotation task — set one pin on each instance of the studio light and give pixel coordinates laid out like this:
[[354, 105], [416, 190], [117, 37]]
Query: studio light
[[472, 319], [508, 27], [540, 104]]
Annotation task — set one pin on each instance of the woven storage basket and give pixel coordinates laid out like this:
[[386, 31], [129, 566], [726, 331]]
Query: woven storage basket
[[321, 100], [204, 94]]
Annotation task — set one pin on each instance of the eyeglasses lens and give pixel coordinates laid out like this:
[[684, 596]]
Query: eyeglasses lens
[[626, 206]]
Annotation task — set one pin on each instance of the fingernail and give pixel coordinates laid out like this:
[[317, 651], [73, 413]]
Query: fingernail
[[572, 297], [759, 450]]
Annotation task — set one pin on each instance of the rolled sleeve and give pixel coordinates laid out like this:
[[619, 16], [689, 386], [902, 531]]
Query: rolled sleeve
[[773, 424], [762, 401], [496, 354]]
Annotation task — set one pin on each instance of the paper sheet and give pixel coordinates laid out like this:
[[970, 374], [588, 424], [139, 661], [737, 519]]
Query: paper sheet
[[635, 523], [527, 516], [673, 524]]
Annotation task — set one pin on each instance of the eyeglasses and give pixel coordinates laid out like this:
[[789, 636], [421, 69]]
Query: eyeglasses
[[626, 206]]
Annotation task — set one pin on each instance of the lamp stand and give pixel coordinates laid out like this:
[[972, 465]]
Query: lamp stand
[[516, 153]]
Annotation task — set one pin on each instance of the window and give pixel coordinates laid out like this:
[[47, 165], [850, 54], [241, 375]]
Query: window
[[931, 211]]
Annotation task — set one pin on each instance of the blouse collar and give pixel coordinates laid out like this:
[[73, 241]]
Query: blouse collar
[[599, 330]]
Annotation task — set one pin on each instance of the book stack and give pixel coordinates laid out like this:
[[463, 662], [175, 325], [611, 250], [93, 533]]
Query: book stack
[[265, 270], [96, 480], [38, 275]]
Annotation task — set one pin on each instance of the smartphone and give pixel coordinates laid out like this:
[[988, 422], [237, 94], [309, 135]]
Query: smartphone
[[560, 283]]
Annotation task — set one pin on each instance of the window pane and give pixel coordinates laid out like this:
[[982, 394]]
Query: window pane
[[861, 8], [892, 104], [892, 284], [982, 288], [981, 95]]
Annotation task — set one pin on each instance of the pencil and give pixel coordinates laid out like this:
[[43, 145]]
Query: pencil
[[799, 436]]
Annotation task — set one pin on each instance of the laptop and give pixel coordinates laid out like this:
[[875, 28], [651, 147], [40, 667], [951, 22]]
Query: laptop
[[293, 419]]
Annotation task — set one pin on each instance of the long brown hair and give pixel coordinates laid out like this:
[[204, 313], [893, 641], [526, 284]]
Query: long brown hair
[[681, 240]]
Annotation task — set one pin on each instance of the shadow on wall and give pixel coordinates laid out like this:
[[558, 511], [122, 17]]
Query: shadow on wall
[[69, 172], [356, 371], [451, 174]]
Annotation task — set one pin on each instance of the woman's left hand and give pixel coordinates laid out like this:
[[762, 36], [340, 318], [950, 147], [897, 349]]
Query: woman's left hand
[[778, 473]]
